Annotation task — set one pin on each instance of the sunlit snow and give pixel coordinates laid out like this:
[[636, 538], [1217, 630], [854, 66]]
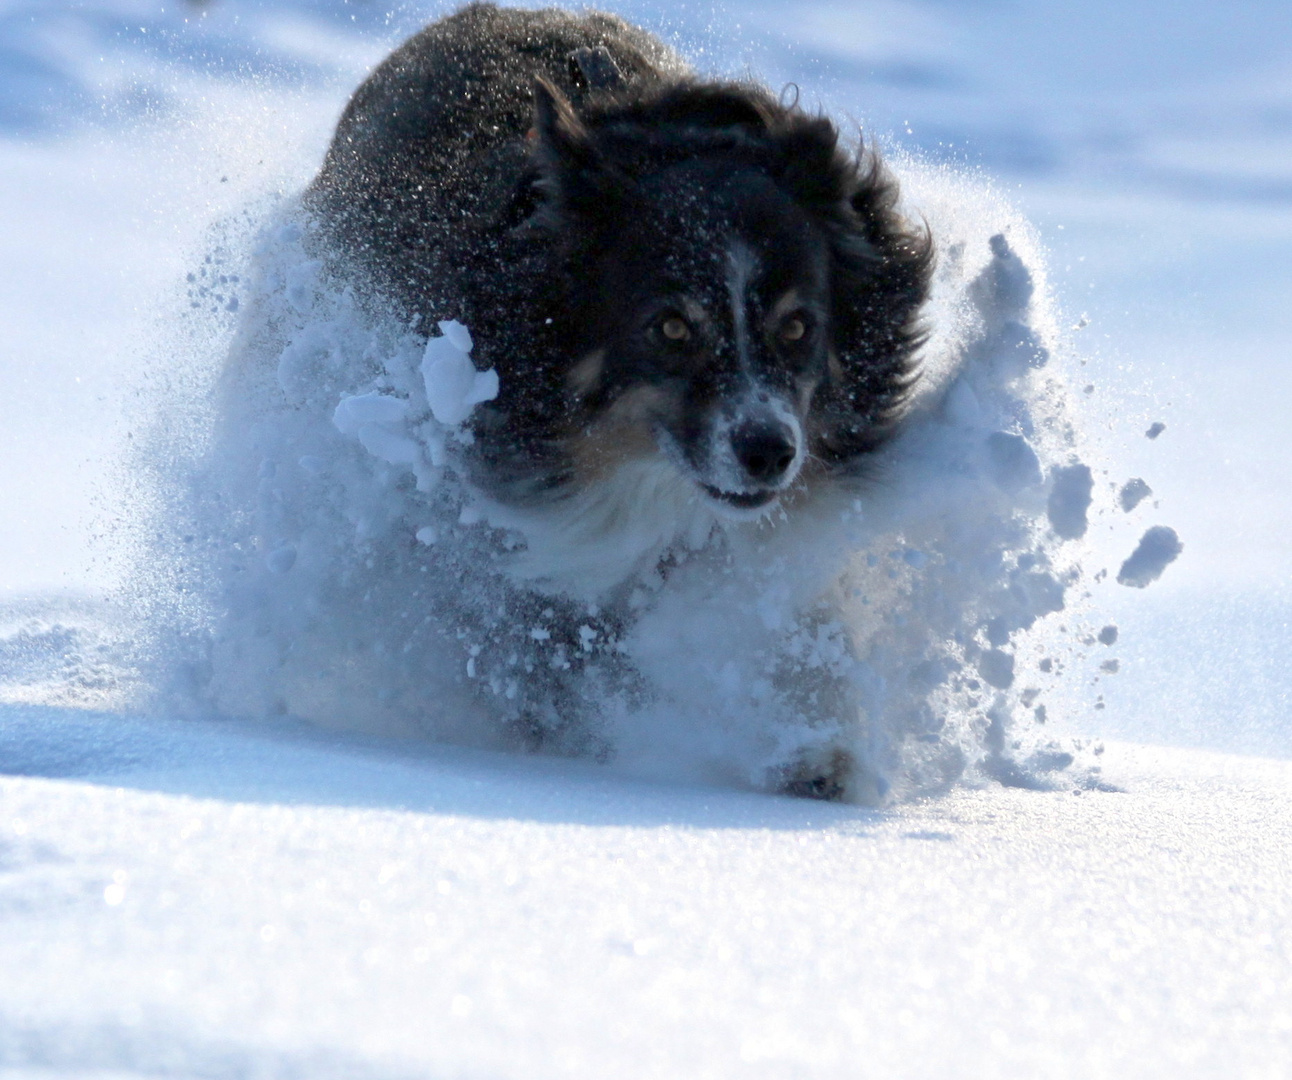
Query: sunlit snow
[[1057, 881]]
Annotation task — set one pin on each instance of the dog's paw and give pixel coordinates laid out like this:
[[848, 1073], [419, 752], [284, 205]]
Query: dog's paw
[[828, 774]]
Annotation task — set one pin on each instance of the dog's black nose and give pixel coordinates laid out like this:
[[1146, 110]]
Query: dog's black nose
[[765, 450]]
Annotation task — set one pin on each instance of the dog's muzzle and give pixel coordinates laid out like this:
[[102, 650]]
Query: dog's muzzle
[[766, 451], [763, 456]]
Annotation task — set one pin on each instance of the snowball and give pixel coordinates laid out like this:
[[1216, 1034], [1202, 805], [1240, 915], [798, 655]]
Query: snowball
[[1158, 548]]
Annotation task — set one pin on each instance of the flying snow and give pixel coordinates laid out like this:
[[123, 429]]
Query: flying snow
[[341, 568]]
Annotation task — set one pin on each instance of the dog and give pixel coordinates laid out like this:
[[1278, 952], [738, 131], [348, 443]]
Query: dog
[[702, 308]]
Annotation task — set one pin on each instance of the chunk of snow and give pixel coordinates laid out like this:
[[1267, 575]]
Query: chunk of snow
[[1069, 501], [997, 669], [355, 412], [1158, 548], [1133, 492], [1012, 462], [459, 336], [453, 385], [387, 445]]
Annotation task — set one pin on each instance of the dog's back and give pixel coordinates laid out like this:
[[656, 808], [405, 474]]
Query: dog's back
[[435, 136]]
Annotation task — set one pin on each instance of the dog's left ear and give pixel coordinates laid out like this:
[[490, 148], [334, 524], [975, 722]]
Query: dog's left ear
[[567, 158], [558, 134]]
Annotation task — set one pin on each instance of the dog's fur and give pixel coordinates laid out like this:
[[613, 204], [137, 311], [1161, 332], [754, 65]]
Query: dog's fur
[[477, 175], [697, 301]]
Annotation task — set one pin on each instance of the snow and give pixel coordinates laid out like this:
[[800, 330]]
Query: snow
[[201, 897], [453, 385], [189, 901], [311, 592], [1156, 550]]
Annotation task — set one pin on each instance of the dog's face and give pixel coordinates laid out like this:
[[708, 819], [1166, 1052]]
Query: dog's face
[[707, 331], [737, 296]]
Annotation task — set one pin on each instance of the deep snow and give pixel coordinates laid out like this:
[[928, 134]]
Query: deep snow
[[208, 899]]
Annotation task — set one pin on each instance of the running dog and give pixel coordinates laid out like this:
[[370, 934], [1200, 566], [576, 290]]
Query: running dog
[[701, 306]]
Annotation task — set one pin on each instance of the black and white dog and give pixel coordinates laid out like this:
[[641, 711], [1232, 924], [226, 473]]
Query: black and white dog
[[701, 307]]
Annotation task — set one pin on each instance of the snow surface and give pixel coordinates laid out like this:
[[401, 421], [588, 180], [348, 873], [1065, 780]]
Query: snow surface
[[203, 898], [182, 901]]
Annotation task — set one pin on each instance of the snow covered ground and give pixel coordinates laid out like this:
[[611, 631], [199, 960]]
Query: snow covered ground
[[214, 900], [228, 903]]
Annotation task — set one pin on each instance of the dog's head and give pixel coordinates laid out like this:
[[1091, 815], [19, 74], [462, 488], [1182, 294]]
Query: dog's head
[[740, 294]]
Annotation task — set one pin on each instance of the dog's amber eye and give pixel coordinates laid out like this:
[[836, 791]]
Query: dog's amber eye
[[675, 329], [793, 329]]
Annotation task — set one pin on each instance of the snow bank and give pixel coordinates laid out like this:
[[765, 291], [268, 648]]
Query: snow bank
[[327, 559]]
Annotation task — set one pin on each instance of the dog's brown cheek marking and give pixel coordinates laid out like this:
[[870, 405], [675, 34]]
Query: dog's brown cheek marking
[[625, 432], [835, 367], [586, 374]]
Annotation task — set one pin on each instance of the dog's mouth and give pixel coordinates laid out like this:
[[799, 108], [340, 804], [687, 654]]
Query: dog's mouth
[[741, 500]]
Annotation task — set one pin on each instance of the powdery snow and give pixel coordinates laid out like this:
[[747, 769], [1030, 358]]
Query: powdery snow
[[196, 900], [865, 622]]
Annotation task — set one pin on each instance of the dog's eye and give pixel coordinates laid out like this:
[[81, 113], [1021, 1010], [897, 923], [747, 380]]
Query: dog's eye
[[793, 329], [675, 328]]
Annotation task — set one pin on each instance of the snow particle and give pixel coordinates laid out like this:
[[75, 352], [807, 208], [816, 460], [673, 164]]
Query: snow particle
[[1108, 635], [282, 558], [997, 669], [1155, 430], [1158, 548], [1133, 492]]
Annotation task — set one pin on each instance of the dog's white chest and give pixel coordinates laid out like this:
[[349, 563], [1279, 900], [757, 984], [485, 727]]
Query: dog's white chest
[[589, 543]]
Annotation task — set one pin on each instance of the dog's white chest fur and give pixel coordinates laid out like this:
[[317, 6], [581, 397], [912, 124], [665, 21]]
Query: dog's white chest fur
[[592, 541]]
